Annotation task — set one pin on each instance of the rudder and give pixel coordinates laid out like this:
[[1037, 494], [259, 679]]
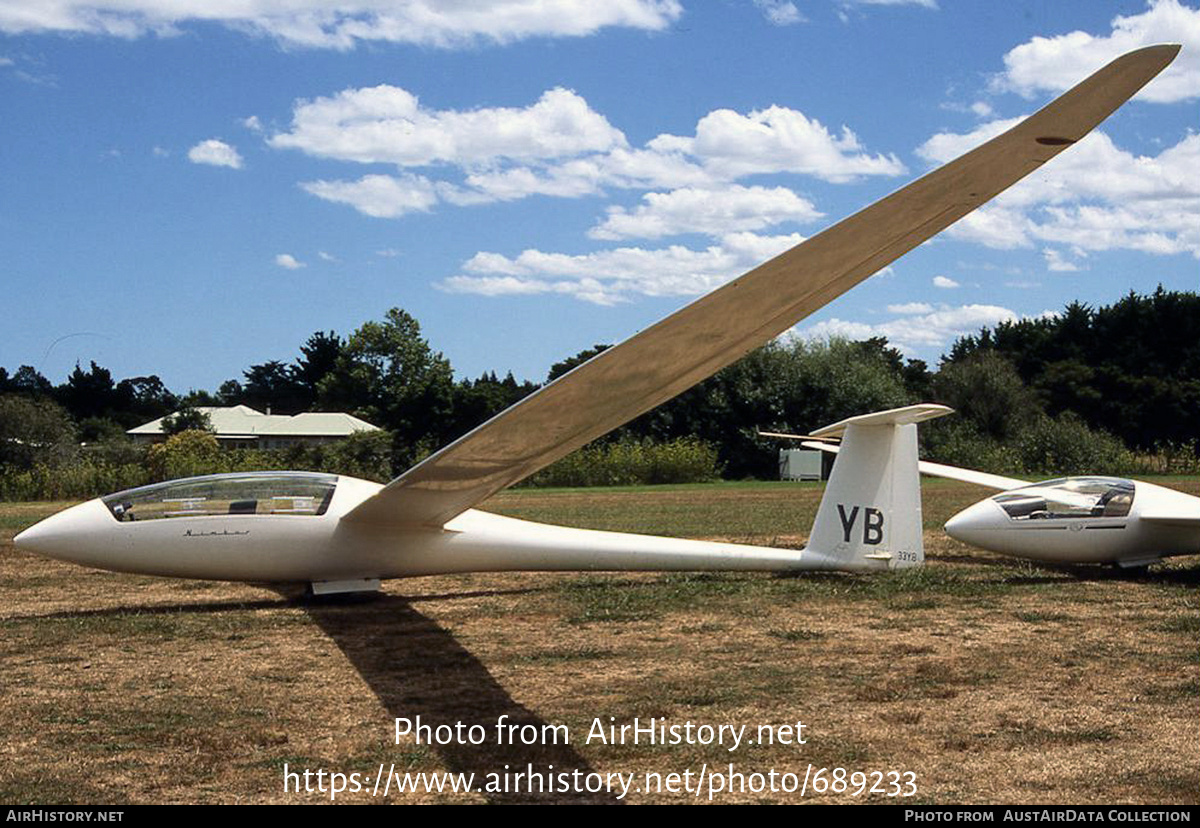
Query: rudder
[[870, 514]]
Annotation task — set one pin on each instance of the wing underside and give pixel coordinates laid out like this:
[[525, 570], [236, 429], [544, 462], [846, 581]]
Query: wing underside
[[721, 327], [990, 481]]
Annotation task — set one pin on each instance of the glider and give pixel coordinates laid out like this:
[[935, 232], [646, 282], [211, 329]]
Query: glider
[[1088, 519], [343, 534], [1128, 523]]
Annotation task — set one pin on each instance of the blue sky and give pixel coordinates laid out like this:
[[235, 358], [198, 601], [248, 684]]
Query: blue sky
[[188, 188]]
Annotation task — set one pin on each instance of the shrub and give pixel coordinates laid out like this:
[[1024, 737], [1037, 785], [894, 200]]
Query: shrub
[[79, 480], [631, 462], [960, 443], [186, 454], [364, 454], [1065, 446]]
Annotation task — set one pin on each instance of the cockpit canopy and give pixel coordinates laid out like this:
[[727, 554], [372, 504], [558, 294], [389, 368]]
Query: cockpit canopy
[[245, 493], [1069, 497]]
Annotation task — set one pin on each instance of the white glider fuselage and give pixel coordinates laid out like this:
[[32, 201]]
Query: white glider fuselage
[[316, 548], [1069, 521]]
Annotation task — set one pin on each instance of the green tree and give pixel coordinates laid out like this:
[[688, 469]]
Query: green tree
[[364, 454], [90, 393], [187, 419], [1131, 368], [27, 380], [387, 374], [318, 356], [793, 386], [34, 431], [560, 368], [141, 399], [476, 401], [987, 391], [272, 385]]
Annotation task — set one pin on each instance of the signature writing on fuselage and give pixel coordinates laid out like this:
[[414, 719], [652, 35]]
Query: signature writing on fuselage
[[223, 533]]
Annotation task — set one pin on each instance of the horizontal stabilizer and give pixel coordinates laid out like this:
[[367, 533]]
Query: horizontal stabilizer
[[894, 416]]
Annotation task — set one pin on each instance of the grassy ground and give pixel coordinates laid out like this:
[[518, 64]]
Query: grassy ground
[[992, 681]]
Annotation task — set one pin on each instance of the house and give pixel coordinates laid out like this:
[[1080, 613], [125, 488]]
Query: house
[[240, 426]]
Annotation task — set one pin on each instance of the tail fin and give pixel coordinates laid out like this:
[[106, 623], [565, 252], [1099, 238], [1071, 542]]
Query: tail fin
[[870, 516]]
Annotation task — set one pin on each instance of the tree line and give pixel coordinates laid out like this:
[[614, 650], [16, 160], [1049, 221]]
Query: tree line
[[1108, 389]]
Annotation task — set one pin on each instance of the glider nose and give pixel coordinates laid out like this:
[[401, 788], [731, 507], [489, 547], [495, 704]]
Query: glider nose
[[68, 535], [975, 523]]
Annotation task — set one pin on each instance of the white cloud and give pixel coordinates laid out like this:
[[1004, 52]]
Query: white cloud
[[712, 212], [382, 196], [1057, 63], [1057, 263], [776, 139], [610, 276], [1094, 196], [570, 180], [558, 147], [933, 330], [780, 12], [944, 282], [319, 24], [911, 307], [288, 261], [216, 153], [946, 146], [387, 124]]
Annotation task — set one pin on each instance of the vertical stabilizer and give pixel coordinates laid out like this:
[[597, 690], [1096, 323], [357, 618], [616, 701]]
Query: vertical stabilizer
[[870, 515]]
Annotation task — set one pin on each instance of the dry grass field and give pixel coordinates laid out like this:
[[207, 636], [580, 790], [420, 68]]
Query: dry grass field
[[992, 681]]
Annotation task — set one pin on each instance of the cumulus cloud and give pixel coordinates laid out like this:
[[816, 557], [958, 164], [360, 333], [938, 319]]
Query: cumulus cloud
[[387, 124], [693, 210], [607, 277], [215, 153], [946, 146], [1057, 63], [1094, 196], [319, 24], [288, 261], [382, 196], [776, 139], [934, 329], [560, 147], [944, 282]]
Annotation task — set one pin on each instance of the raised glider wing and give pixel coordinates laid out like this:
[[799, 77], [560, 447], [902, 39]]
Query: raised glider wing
[[1087, 519], [341, 532]]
